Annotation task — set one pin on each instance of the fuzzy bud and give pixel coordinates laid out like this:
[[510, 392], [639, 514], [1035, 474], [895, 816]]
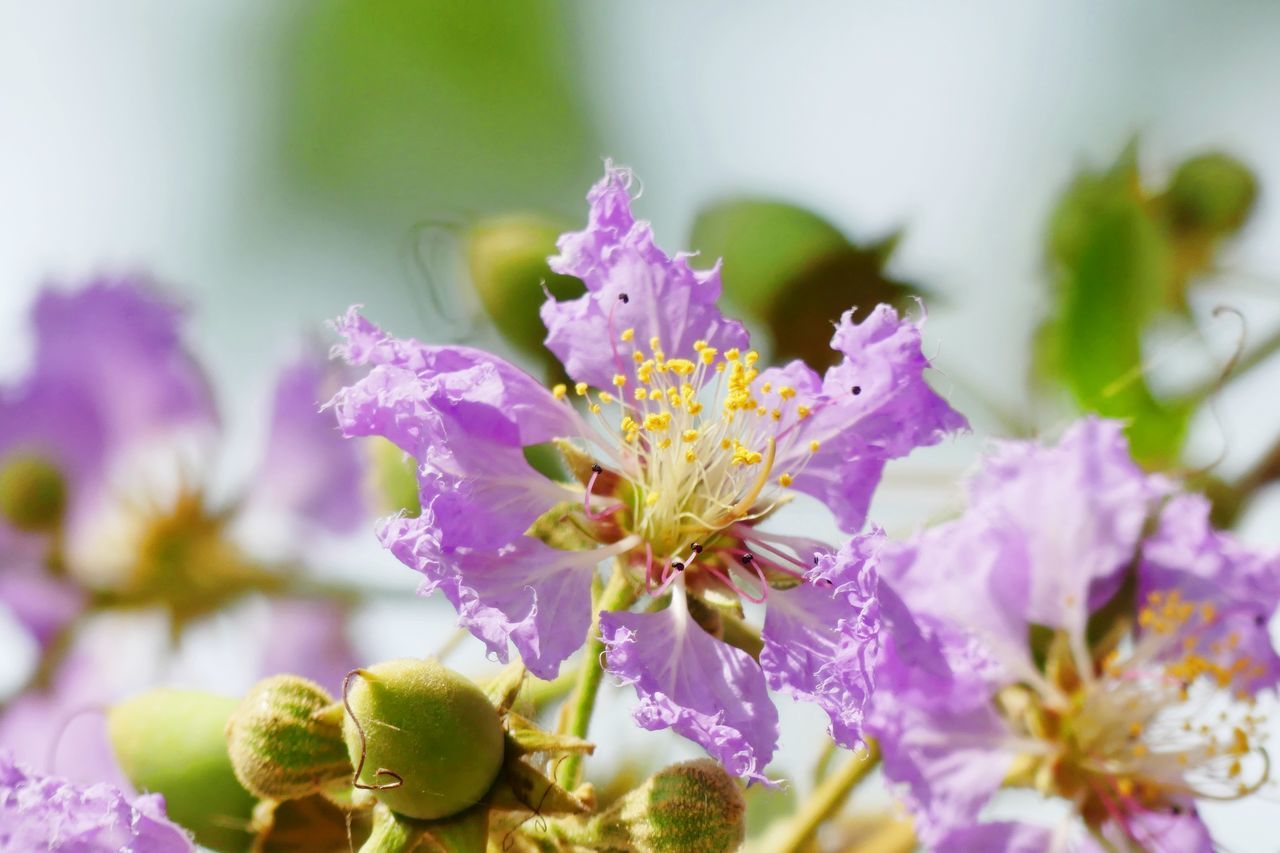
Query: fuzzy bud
[[33, 493], [695, 806], [427, 740], [285, 739], [171, 742]]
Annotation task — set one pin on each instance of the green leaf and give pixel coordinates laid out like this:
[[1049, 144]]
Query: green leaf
[[410, 107], [793, 271]]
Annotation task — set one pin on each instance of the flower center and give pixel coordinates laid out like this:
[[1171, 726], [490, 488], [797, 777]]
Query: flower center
[[1155, 727], [695, 442]]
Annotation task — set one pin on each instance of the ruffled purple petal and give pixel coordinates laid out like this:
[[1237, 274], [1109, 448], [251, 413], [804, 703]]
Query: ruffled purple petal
[[1207, 566], [47, 813], [528, 594], [706, 690], [1165, 831], [1080, 508], [945, 749], [873, 406], [615, 256], [821, 642], [1004, 836], [482, 493], [309, 471], [411, 386]]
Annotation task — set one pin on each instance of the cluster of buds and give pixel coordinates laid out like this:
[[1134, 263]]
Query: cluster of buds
[[412, 756]]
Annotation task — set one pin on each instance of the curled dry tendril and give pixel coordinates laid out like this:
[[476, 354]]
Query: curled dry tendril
[[382, 771]]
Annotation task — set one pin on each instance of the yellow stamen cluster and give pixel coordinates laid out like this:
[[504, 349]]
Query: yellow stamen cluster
[[692, 466]]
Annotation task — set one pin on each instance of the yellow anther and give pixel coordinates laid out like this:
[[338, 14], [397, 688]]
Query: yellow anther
[[751, 358], [657, 421], [766, 387], [619, 380], [654, 344], [595, 408], [776, 414], [720, 367], [689, 435], [628, 424], [637, 356], [699, 345], [813, 446], [690, 456], [655, 394], [651, 498], [641, 394], [580, 389], [785, 480], [803, 412], [732, 354], [1124, 785], [725, 444], [560, 391], [606, 397], [707, 354], [664, 444], [786, 392], [628, 334], [681, 366], [694, 407]]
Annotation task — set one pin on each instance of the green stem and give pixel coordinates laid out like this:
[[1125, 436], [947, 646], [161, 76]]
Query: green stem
[[828, 799], [392, 835], [618, 595]]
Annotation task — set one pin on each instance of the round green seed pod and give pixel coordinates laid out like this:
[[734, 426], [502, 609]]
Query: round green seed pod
[[1213, 192], [33, 493], [285, 739], [431, 728], [171, 742]]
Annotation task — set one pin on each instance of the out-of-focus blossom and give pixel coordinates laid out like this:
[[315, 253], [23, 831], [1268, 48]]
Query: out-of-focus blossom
[[47, 813], [681, 447], [1099, 642]]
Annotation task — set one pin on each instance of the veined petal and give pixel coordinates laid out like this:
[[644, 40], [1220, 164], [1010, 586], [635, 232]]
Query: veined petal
[[536, 597], [482, 393], [615, 256], [1210, 567], [308, 471], [483, 492], [1080, 508], [873, 406], [706, 690], [47, 813]]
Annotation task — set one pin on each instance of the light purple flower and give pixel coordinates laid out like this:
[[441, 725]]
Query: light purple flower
[[1087, 620], [48, 813], [683, 447]]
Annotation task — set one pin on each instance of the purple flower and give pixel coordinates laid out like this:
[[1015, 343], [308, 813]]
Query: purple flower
[[48, 813], [680, 447], [1085, 621]]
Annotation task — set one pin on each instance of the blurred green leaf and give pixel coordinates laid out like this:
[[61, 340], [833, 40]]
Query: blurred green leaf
[[793, 271], [414, 106]]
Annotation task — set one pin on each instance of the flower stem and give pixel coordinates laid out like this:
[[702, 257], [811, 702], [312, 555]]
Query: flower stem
[[618, 595], [828, 799]]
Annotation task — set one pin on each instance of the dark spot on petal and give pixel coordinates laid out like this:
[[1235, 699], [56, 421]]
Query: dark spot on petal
[[856, 390], [596, 469], [1260, 620], [623, 298]]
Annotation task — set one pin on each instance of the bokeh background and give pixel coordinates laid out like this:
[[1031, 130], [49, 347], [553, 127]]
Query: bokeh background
[[274, 163]]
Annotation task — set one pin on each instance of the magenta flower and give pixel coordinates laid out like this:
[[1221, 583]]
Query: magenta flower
[[1092, 638], [682, 447], [48, 813]]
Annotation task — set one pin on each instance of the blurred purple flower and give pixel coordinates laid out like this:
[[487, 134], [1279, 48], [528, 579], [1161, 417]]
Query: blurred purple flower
[[1135, 635], [685, 447], [48, 813]]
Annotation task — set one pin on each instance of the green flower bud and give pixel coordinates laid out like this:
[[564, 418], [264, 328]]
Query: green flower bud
[[171, 742], [33, 493], [507, 257], [1213, 193], [285, 739], [426, 740], [695, 806]]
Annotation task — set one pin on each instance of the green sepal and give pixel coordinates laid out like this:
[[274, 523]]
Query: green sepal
[[524, 738], [579, 462], [525, 789], [310, 823], [504, 689], [466, 832]]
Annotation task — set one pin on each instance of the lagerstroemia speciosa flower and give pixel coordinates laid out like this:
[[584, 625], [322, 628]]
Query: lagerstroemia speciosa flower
[[47, 813], [681, 446], [106, 447], [1081, 630]]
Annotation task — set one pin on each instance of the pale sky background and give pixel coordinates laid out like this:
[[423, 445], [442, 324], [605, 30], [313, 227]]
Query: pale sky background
[[131, 137]]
